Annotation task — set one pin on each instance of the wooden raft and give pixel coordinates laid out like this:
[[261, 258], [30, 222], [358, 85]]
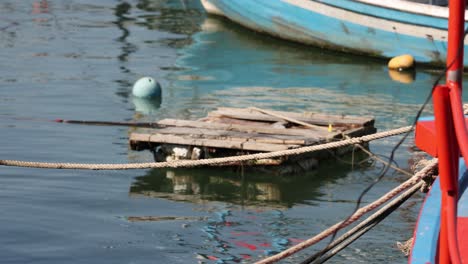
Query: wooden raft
[[236, 131]]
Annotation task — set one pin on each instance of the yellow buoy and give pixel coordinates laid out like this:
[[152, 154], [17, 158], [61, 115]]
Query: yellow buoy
[[402, 62]]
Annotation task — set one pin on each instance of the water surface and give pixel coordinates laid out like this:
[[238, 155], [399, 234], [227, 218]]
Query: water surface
[[79, 59]]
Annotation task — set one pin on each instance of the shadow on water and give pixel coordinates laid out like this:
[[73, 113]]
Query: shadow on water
[[249, 188], [180, 17]]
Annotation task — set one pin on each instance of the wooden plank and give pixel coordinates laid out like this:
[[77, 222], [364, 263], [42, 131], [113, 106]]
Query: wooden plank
[[234, 135], [313, 118], [360, 131], [248, 129], [345, 119], [289, 119], [136, 138]]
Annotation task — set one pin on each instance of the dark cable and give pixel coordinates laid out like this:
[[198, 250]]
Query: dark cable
[[110, 123], [337, 247]]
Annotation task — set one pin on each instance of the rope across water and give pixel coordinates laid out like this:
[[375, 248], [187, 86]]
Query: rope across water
[[353, 218], [202, 162], [192, 163]]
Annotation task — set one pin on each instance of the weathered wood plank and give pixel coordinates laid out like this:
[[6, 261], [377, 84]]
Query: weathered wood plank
[[313, 118], [136, 138], [248, 128], [234, 135], [289, 119], [346, 119], [360, 131]]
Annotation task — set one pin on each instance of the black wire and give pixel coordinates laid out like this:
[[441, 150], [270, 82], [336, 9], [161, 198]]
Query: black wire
[[343, 161], [110, 123], [362, 161], [392, 154], [361, 231]]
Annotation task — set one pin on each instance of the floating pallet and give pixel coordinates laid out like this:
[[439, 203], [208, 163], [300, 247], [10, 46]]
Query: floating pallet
[[235, 131]]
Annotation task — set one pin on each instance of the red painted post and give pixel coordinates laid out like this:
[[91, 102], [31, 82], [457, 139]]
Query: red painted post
[[448, 162], [455, 40], [448, 150]]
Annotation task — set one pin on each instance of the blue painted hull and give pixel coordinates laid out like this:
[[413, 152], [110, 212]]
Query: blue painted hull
[[426, 234], [351, 26]]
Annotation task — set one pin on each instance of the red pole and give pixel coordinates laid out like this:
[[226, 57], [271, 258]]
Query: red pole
[[448, 149], [455, 40], [448, 162]]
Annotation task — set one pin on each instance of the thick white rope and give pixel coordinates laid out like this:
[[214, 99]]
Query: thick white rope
[[204, 162]]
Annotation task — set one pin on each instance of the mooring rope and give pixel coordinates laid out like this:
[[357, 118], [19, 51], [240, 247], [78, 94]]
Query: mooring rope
[[202, 162], [364, 226], [353, 218]]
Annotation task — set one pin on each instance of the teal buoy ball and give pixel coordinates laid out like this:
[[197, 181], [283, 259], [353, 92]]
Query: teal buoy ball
[[146, 87]]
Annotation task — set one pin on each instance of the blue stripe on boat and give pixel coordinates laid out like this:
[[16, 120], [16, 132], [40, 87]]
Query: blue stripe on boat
[[389, 14], [294, 22], [463, 201]]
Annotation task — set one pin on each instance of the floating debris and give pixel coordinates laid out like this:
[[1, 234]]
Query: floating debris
[[236, 131]]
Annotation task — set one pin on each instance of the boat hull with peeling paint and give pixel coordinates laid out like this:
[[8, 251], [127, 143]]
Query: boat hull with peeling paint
[[376, 28], [426, 233]]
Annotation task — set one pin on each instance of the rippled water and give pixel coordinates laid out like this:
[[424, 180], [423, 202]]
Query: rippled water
[[78, 60]]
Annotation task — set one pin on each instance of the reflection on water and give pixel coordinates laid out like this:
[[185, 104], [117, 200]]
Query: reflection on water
[[402, 76], [164, 16], [146, 106], [79, 59], [252, 222], [249, 188], [121, 10], [40, 7], [227, 65]]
